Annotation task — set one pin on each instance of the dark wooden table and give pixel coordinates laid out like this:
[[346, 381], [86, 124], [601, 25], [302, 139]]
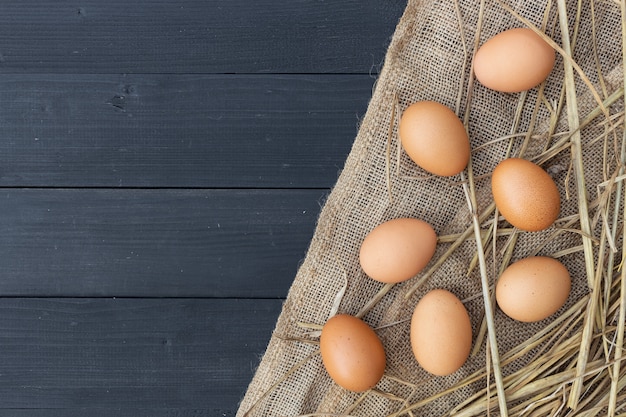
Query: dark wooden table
[[162, 166]]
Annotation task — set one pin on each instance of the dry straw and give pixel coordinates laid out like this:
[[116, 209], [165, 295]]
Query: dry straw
[[573, 125]]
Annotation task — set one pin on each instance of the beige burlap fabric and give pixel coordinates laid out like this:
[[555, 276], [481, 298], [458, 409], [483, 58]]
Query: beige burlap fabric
[[429, 58]]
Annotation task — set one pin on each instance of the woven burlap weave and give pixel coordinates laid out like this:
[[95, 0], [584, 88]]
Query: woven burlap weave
[[429, 58]]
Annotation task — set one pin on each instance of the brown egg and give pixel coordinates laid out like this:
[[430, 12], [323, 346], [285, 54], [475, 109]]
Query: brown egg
[[434, 138], [525, 194], [533, 288], [352, 353], [441, 332], [514, 60], [397, 250]]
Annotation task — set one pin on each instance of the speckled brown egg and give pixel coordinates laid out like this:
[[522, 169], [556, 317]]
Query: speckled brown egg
[[352, 353], [397, 250], [441, 332], [514, 60], [533, 288], [525, 194], [434, 138]]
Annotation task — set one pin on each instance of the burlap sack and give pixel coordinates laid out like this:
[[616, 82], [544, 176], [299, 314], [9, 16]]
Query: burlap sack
[[430, 58]]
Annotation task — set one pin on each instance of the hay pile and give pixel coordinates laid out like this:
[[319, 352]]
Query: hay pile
[[573, 126]]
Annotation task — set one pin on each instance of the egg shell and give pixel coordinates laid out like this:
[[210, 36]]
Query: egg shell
[[514, 60], [434, 138], [352, 353], [533, 288], [525, 194], [397, 250], [441, 332]]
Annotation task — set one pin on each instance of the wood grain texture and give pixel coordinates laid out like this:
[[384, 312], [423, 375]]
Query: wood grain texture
[[195, 36], [154, 243], [162, 167], [255, 131], [119, 412], [173, 357]]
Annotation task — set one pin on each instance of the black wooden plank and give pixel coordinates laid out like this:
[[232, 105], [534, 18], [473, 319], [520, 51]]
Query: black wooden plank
[[118, 412], [173, 357], [195, 36], [178, 131], [153, 243]]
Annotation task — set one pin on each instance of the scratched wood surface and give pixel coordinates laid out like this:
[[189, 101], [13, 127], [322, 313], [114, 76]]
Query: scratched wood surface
[[162, 167]]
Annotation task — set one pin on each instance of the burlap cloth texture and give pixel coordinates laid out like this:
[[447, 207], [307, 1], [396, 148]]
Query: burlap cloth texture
[[429, 58]]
